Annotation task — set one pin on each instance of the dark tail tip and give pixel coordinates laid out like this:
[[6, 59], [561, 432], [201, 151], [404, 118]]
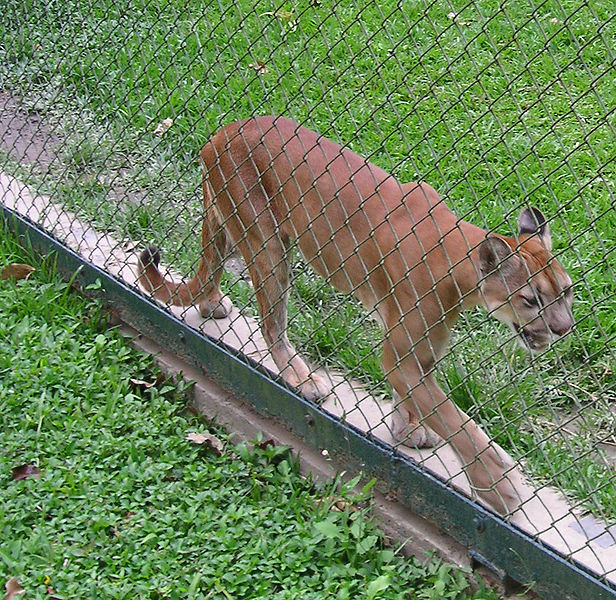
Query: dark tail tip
[[150, 256]]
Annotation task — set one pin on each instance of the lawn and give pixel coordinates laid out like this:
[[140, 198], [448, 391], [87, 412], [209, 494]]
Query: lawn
[[110, 489], [496, 105]]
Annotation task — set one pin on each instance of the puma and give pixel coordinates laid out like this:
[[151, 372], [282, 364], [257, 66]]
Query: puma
[[397, 247]]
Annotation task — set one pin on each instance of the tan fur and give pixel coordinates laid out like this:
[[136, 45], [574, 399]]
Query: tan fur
[[397, 247]]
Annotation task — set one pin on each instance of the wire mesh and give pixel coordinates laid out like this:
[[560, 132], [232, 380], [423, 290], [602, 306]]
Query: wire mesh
[[500, 107]]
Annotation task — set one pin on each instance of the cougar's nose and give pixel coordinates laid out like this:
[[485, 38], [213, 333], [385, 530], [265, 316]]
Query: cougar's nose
[[561, 329]]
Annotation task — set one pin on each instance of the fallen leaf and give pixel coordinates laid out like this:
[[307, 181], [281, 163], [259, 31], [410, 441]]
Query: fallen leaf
[[163, 127], [337, 504], [197, 438], [13, 588], [25, 471], [208, 439], [16, 271], [266, 443], [343, 505], [454, 17], [259, 67], [141, 384]]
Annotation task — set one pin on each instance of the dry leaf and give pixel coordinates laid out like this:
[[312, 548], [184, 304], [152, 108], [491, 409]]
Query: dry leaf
[[25, 471], [16, 271], [265, 443], [337, 504], [454, 17], [163, 127], [13, 588], [143, 385], [259, 67], [140, 383], [343, 505], [208, 439]]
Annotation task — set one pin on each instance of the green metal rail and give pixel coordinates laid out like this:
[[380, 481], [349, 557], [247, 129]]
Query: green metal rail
[[513, 554]]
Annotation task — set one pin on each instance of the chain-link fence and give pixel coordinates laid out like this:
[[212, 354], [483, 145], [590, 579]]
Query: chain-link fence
[[501, 107]]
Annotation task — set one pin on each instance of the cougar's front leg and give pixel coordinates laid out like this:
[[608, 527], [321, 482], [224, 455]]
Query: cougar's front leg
[[269, 271], [485, 464]]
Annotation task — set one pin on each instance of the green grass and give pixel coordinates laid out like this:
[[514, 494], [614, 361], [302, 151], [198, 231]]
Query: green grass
[[126, 507], [506, 105]]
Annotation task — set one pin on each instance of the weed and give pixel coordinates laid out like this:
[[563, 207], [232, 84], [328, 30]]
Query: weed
[[117, 502]]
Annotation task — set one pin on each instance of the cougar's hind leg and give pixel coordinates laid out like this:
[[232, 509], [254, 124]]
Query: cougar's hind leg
[[215, 247], [270, 273]]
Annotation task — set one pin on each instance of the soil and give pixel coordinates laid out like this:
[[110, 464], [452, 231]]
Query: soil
[[24, 134]]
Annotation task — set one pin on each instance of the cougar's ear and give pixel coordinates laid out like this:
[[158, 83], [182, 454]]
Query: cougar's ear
[[496, 255], [532, 222]]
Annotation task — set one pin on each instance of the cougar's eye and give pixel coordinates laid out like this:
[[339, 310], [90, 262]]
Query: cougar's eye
[[530, 301]]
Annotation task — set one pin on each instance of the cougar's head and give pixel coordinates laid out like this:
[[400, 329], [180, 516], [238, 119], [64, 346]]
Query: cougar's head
[[524, 286]]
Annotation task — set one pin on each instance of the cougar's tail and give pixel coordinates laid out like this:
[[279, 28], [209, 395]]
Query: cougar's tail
[[150, 278]]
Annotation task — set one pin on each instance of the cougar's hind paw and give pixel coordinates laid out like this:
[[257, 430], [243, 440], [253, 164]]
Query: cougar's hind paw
[[216, 309]]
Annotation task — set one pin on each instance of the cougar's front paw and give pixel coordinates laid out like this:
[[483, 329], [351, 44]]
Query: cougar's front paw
[[411, 433], [492, 479], [216, 308], [314, 388]]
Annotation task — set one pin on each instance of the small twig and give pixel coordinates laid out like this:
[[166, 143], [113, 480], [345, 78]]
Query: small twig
[[608, 443], [577, 387]]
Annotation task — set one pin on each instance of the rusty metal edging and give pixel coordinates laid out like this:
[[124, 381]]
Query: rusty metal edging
[[517, 555]]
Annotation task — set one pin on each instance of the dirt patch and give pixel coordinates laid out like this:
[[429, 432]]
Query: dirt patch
[[24, 135], [237, 267]]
